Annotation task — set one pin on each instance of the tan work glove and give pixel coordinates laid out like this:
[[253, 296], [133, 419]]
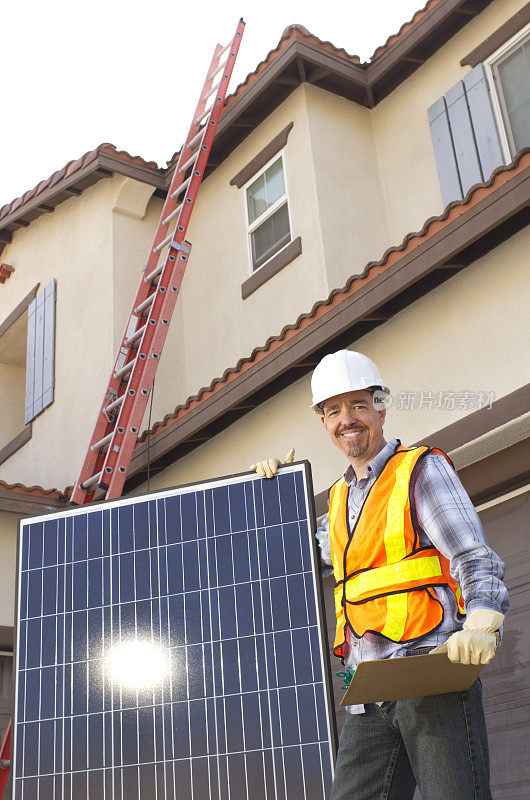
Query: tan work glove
[[477, 641], [269, 467]]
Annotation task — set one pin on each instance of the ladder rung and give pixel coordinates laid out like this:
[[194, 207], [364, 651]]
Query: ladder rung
[[146, 303], [225, 48], [204, 114], [102, 442], [189, 163], [152, 275], [115, 403], [125, 369], [160, 246], [173, 214], [91, 481], [212, 90], [181, 188], [136, 335], [212, 75], [198, 136]]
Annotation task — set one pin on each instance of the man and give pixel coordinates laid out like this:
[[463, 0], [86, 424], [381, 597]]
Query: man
[[413, 571]]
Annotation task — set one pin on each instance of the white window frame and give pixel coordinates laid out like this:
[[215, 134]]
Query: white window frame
[[489, 64], [284, 199]]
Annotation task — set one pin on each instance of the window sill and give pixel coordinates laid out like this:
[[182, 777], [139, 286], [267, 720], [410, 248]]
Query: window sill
[[16, 443], [271, 267]]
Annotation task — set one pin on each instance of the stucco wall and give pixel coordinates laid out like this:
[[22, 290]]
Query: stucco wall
[[401, 128], [74, 246], [468, 335], [213, 327], [8, 544], [351, 207]]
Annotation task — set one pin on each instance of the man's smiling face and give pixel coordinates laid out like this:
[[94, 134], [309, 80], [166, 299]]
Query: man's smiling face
[[354, 425]]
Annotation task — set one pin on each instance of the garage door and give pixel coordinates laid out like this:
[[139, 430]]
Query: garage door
[[506, 680]]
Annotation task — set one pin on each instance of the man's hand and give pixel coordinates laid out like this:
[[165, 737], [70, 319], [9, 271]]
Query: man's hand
[[269, 467], [477, 641]]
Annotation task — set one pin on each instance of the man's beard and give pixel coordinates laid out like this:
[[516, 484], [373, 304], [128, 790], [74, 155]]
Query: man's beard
[[358, 448]]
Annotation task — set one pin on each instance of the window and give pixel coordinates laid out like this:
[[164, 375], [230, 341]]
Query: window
[[13, 378], [27, 355], [509, 74], [269, 228]]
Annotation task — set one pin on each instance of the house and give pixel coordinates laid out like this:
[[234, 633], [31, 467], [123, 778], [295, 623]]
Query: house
[[379, 206]]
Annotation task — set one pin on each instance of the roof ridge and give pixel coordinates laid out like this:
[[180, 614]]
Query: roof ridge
[[244, 362]]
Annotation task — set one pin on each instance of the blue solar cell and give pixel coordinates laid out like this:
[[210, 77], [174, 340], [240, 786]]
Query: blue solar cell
[[220, 577]]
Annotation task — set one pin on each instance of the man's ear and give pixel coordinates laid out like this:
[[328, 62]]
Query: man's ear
[[382, 414]]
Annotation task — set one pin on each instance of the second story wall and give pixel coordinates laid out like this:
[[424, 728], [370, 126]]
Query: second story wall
[[352, 213], [213, 326], [401, 127], [72, 246]]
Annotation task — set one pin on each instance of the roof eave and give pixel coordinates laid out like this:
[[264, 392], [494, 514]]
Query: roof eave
[[26, 504], [103, 165]]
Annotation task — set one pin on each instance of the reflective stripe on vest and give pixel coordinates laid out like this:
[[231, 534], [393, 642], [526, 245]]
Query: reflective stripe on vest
[[395, 548], [383, 562], [381, 580]]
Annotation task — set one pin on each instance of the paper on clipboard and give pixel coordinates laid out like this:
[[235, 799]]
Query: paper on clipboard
[[411, 676]]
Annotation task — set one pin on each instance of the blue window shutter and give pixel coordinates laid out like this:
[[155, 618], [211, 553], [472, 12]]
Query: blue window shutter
[[40, 353], [48, 381], [484, 123], [30, 360], [444, 152], [463, 137]]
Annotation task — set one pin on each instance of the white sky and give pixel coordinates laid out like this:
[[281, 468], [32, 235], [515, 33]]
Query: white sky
[[79, 74]]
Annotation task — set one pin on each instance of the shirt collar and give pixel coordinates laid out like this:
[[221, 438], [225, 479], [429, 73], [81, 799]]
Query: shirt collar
[[374, 467]]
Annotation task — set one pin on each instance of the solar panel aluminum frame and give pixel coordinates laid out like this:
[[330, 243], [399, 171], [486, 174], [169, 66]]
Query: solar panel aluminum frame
[[305, 469]]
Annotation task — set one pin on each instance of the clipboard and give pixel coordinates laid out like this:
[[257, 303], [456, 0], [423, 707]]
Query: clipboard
[[410, 676]]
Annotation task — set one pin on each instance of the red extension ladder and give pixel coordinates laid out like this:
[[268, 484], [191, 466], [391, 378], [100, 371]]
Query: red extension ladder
[[112, 444]]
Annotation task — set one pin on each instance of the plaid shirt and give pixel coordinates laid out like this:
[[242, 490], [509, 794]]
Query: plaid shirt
[[447, 520]]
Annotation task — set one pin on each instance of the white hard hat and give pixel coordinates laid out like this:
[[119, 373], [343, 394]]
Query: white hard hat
[[343, 371]]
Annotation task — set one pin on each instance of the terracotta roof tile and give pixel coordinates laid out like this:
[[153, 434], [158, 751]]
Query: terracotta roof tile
[[290, 33], [70, 169], [374, 268], [36, 491], [419, 15]]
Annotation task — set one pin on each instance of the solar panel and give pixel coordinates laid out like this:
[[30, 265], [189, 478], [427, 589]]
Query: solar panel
[[172, 646]]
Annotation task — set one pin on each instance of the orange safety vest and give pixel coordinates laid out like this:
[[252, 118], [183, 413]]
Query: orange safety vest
[[383, 576]]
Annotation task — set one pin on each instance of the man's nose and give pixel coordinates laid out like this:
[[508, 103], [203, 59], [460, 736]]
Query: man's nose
[[348, 416]]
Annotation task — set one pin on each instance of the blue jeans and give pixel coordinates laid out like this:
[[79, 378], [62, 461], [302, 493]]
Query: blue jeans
[[438, 742]]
